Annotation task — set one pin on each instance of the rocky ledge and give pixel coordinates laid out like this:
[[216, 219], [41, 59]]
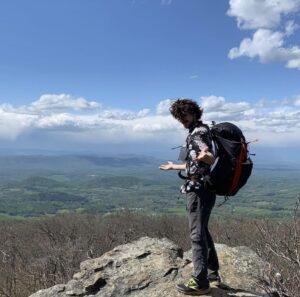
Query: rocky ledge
[[151, 267]]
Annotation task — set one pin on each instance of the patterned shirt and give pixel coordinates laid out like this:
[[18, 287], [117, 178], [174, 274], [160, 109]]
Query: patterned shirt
[[198, 139]]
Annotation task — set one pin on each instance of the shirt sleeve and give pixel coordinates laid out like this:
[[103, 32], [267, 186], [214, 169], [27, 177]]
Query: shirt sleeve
[[200, 139]]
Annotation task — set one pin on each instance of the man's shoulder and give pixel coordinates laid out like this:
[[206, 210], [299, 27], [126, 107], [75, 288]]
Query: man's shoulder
[[201, 129]]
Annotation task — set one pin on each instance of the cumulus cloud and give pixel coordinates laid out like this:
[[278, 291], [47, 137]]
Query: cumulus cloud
[[216, 108], [264, 44], [63, 116], [62, 102], [254, 14], [267, 44], [163, 106], [124, 114], [145, 127], [212, 102], [274, 122]]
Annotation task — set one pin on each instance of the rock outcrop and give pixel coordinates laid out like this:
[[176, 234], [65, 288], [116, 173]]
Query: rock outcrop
[[151, 267]]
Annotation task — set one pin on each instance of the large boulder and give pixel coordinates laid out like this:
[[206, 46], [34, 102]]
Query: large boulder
[[151, 267]]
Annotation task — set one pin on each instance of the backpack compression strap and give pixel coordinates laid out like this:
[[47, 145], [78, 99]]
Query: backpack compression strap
[[238, 168], [181, 175]]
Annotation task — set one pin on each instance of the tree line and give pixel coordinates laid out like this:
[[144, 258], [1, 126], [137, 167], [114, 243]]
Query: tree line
[[37, 254]]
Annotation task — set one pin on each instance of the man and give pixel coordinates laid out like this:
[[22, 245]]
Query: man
[[199, 201]]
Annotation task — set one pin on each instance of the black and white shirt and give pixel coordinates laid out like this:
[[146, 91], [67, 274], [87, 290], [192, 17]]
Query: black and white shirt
[[198, 139]]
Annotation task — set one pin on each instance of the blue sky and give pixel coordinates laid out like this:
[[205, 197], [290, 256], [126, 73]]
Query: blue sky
[[80, 74]]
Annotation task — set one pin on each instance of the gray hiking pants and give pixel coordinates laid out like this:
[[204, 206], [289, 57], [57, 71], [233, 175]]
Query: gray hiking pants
[[199, 205]]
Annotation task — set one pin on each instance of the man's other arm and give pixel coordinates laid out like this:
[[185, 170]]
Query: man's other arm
[[201, 141], [172, 166]]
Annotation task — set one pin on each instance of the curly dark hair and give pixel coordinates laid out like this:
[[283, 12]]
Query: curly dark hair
[[182, 107]]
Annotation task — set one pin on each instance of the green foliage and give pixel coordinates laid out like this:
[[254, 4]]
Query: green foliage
[[38, 185], [42, 252]]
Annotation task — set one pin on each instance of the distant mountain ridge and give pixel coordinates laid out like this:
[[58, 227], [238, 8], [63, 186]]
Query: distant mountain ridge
[[20, 167], [118, 161], [50, 161]]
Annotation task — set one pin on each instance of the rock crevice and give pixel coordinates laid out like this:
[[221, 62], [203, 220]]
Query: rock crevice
[[151, 267]]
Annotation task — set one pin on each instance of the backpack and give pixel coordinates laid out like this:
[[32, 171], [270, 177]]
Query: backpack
[[232, 166]]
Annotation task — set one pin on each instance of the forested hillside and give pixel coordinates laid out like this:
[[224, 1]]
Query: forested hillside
[[33, 186]]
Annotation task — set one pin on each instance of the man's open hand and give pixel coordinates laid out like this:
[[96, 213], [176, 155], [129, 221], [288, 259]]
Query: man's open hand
[[205, 156], [168, 166]]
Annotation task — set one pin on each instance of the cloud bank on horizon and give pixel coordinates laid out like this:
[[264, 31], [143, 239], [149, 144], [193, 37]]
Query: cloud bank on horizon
[[272, 23], [63, 119]]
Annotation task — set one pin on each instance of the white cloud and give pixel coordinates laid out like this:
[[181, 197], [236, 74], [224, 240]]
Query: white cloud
[[267, 103], [297, 101], [271, 121], [212, 102], [254, 14], [99, 126], [62, 120], [265, 118], [163, 106], [62, 102], [124, 114], [13, 124], [216, 108], [263, 44], [267, 44]]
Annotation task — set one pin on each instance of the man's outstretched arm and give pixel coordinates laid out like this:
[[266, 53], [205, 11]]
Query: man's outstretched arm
[[172, 166]]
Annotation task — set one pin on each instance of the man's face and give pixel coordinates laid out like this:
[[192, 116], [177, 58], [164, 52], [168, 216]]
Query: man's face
[[187, 121]]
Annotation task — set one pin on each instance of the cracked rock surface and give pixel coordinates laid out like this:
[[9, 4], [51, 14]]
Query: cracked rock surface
[[152, 267]]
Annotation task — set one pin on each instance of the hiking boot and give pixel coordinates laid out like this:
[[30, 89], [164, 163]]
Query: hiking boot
[[192, 288], [214, 278]]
